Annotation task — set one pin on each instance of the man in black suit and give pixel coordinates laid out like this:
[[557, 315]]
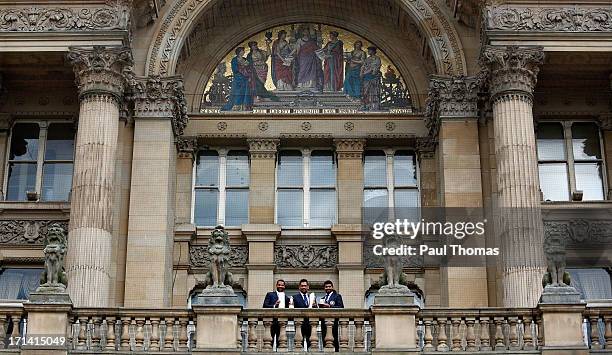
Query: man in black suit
[[332, 299], [276, 299], [303, 300]]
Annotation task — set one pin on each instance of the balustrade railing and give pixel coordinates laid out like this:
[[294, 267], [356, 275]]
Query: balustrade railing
[[479, 330], [354, 327], [12, 325], [133, 330], [597, 326]]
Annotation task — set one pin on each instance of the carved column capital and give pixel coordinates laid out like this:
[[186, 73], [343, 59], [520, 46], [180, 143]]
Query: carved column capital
[[349, 148], [161, 97], [101, 70], [263, 148], [512, 69], [186, 147], [457, 96]]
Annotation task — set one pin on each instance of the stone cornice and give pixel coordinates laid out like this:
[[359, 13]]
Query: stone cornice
[[349, 148], [113, 16], [560, 18], [263, 148], [101, 70], [157, 97], [511, 69]]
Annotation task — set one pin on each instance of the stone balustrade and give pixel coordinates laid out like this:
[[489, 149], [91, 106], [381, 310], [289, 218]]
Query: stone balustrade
[[133, 330], [12, 318], [479, 330], [597, 325], [355, 330]]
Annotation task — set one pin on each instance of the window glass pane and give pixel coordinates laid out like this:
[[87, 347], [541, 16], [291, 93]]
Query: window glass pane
[[21, 178], [589, 180], [375, 169], [404, 169], [322, 208], [585, 141], [290, 168], [406, 198], [17, 284], [57, 181], [237, 169], [375, 198], [206, 201], [207, 169], [60, 142], [322, 169], [553, 182], [290, 207], [236, 207], [24, 142], [550, 141]]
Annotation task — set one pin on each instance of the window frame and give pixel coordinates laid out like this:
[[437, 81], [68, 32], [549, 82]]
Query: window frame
[[390, 175], [222, 153], [40, 158], [568, 147], [305, 186]]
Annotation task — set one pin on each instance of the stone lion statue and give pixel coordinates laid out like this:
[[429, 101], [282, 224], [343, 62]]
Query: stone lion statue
[[54, 275], [219, 251], [393, 278], [554, 249]]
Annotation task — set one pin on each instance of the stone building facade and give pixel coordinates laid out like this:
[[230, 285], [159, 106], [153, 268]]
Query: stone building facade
[[107, 126]]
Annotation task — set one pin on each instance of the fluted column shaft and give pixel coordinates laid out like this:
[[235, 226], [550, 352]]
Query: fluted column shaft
[[88, 260], [513, 75]]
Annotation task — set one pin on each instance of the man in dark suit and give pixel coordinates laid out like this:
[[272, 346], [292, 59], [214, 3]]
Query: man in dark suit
[[303, 300], [332, 299], [276, 299]]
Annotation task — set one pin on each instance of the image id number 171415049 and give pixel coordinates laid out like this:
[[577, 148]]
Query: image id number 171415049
[[38, 341]]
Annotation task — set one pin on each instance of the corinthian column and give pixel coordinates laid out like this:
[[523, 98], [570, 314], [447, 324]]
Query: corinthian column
[[101, 84], [512, 78]]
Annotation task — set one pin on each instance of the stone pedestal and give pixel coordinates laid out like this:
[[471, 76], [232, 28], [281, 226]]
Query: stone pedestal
[[395, 314], [47, 317], [560, 295], [217, 296], [562, 325], [217, 329]]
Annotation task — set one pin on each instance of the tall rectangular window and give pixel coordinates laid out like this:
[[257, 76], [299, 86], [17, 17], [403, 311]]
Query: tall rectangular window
[[390, 181], [40, 161], [569, 160], [306, 189], [221, 188]]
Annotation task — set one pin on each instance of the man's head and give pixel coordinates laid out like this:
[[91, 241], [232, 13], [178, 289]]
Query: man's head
[[252, 45], [358, 44], [304, 286], [328, 286], [333, 35], [239, 51], [280, 285], [372, 50]]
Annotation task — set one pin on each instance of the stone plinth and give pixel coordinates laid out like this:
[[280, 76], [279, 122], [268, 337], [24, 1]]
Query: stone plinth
[[47, 317], [217, 328], [395, 312], [560, 295], [217, 296], [562, 325]]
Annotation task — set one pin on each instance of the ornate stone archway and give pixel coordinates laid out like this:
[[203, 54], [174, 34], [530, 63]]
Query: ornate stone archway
[[168, 40]]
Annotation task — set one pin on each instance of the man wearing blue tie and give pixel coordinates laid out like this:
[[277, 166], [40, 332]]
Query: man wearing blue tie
[[332, 299], [303, 300]]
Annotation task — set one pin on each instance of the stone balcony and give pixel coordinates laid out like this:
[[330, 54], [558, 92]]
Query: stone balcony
[[546, 329]]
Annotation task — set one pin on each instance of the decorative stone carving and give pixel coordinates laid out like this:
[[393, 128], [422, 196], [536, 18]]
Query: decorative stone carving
[[65, 19], [549, 19], [306, 256], [456, 96], [219, 250], [426, 147], [186, 146], [161, 97], [605, 121], [554, 250], [101, 70], [263, 148], [581, 230], [349, 126], [349, 148], [199, 257], [53, 277], [511, 69], [27, 232]]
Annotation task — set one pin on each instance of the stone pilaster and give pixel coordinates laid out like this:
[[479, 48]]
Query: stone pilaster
[[101, 81], [262, 179], [261, 238], [158, 118], [350, 179], [512, 76], [456, 99]]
